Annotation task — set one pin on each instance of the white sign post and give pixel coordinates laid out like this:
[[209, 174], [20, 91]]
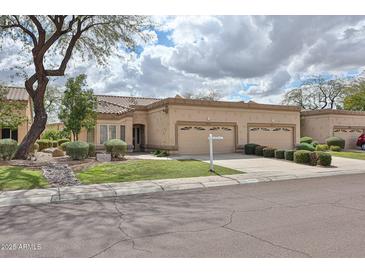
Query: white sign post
[[211, 138]]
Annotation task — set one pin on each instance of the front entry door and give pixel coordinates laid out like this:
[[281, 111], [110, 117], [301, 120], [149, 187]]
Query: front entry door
[[137, 138]]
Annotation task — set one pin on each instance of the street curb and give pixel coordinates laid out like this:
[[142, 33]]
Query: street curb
[[85, 192]]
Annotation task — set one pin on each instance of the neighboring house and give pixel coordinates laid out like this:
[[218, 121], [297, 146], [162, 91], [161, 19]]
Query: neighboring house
[[321, 124], [18, 95], [183, 125]]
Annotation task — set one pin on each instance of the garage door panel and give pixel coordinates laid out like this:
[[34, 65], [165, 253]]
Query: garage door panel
[[278, 137], [193, 139], [350, 135]]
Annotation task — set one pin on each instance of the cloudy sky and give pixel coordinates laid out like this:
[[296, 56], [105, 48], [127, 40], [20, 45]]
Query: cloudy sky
[[242, 57]]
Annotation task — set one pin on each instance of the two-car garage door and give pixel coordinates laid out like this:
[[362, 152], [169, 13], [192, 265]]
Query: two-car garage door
[[193, 139], [277, 137]]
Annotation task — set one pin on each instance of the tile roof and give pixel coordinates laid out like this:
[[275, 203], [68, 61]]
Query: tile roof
[[16, 94], [111, 108]]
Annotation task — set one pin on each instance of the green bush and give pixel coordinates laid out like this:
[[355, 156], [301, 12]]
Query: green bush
[[156, 152], [164, 153], [269, 152], [280, 154], [321, 147], [304, 146], [324, 158], [313, 158], [336, 141], [116, 147], [64, 145], [77, 150], [302, 156], [335, 148], [44, 143], [250, 149], [8, 148], [306, 139], [51, 134], [289, 155], [54, 143], [92, 150], [61, 141], [315, 143], [259, 150]]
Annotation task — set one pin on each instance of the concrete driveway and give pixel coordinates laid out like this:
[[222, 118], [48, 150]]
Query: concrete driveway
[[260, 166]]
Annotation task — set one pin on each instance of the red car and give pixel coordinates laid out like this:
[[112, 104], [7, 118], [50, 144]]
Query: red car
[[361, 141]]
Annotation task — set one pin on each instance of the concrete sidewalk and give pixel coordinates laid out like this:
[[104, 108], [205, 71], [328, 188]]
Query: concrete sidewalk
[[51, 195]]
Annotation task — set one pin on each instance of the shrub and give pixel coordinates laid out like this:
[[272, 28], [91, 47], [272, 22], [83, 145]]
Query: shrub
[[259, 150], [315, 143], [34, 148], [117, 148], [54, 143], [335, 148], [77, 150], [62, 141], [156, 152], [321, 147], [336, 141], [280, 154], [306, 139], [304, 146], [302, 156], [51, 134], [164, 153], [64, 145], [44, 143], [58, 153], [269, 152], [250, 149], [289, 155], [324, 158], [92, 150], [8, 148], [313, 158]]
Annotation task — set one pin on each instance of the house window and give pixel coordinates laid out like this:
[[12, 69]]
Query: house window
[[7, 133], [107, 132], [122, 133], [90, 136]]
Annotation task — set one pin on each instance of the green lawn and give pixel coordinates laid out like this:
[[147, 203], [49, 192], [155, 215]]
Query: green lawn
[[13, 178], [349, 154], [148, 170]]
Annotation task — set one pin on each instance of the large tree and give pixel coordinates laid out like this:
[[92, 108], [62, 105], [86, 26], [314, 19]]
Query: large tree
[[355, 100], [11, 112], [78, 107], [58, 37], [317, 92]]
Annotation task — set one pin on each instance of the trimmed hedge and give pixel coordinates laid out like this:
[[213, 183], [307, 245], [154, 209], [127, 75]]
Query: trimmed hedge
[[54, 143], [8, 147], [289, 155], [321, 147], [313, 158], [62, 141], [250, 149], [304, 146], [335, 148], [64, 145], [92, 150], [44, 143], [77, 150], [269, 152], [259, 150], [116, 147], [324, 158], [315, 143], [336, 141], [302, 156], [306, 139], [280, 154]]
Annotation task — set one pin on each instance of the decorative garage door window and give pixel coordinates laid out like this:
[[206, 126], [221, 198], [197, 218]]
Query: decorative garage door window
[[348, 130], [226, 129], [199, 128], [185, 128], [270, 129], [214, 128]]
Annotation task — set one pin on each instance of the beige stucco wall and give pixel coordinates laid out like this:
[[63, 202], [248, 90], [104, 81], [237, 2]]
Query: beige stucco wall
[[321, 126], [162, 125]]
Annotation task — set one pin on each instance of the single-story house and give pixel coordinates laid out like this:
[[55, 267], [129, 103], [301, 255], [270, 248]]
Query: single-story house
[[183, 125], [324, 123], [19, 95]]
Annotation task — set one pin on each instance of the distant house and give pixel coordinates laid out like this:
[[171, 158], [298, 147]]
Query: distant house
[[15, 94]]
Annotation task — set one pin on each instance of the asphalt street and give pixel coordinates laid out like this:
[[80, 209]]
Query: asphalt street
[[321, 217]]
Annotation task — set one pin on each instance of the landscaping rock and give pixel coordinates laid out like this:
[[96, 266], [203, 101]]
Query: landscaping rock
[[103, 157], [49, 150], [58, 153], [59, 175]]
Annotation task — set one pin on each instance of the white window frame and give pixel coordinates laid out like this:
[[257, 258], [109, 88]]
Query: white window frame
[[108, 131]]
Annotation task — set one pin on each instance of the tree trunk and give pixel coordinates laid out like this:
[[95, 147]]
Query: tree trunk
[[38, 125]]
